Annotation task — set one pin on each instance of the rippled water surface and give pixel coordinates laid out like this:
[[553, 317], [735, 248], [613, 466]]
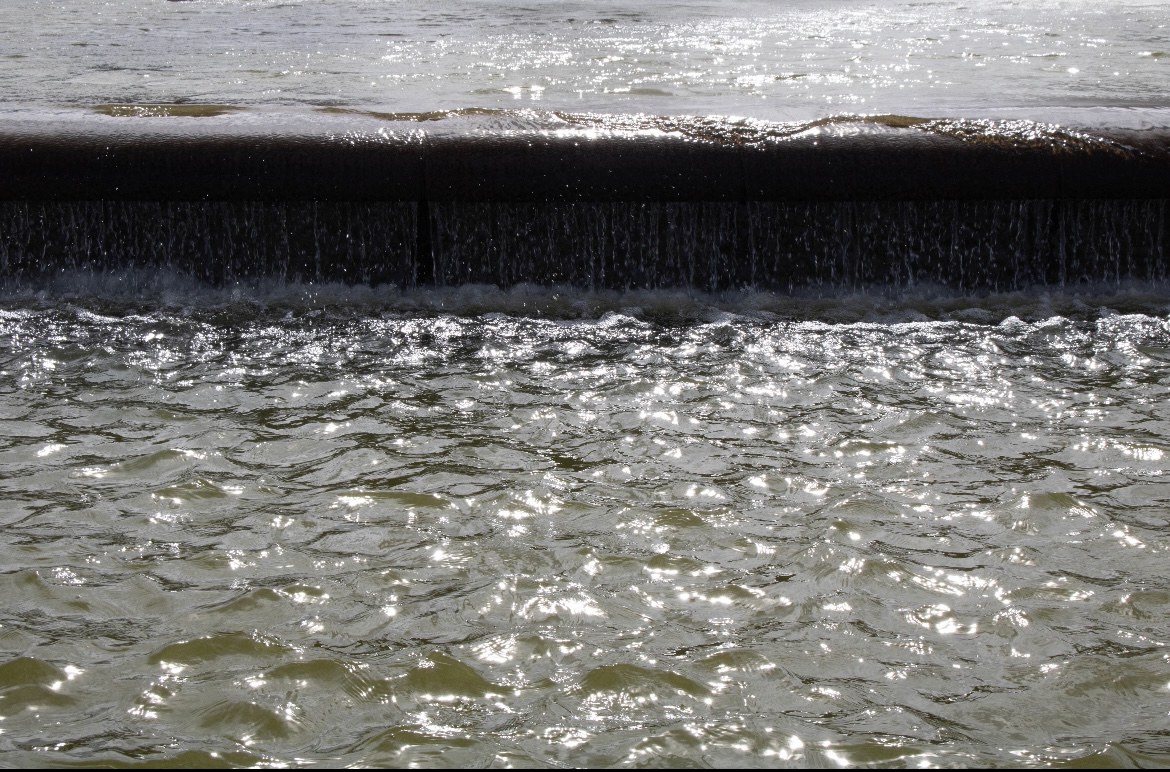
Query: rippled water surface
[[780, 60], [238, 536]]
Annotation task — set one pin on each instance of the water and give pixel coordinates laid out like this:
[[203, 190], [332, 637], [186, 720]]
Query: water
[[580, 489], [300, 533], [780, 61], [793, 248]]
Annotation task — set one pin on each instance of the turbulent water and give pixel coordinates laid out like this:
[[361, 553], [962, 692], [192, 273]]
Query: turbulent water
[[292, 533]]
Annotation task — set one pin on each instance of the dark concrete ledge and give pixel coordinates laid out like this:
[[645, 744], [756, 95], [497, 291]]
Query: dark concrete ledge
[[888, 165]]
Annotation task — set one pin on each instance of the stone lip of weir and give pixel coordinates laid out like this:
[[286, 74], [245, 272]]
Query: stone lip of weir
[[906, 164]]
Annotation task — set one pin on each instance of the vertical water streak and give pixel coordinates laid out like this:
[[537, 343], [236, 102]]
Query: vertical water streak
[[710, 246]]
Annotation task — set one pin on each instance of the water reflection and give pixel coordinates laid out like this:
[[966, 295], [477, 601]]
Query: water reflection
[[348, 538], [798, 60]]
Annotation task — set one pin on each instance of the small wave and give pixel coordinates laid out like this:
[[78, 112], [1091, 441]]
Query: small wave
[[1062, 131], [134, 110]]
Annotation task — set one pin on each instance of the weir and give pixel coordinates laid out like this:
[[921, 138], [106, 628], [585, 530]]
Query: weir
[[837, 206]]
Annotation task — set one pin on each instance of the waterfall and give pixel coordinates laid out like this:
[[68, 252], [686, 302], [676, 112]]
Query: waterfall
[[711, 246], [976, 207]]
